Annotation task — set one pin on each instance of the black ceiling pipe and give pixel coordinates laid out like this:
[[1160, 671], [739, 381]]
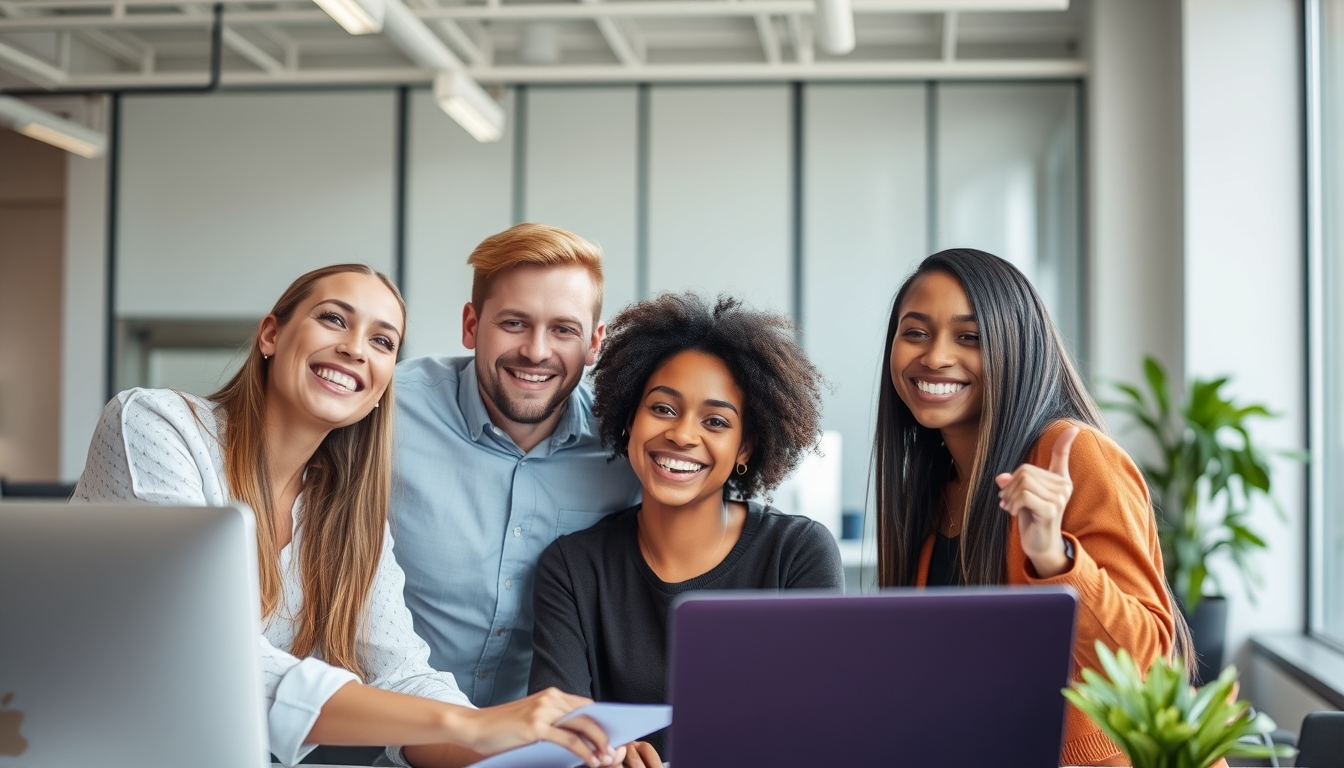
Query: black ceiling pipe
[[216, 62]]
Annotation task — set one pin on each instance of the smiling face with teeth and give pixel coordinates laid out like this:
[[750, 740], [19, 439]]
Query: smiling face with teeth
[[532, 336], [687, 435], [331, 362], [936, 362]]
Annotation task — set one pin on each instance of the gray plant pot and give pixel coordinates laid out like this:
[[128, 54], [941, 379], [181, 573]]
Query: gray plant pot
[[1208, 625]]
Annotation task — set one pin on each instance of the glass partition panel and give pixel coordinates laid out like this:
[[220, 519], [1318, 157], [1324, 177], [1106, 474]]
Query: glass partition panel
[[1007, 182]]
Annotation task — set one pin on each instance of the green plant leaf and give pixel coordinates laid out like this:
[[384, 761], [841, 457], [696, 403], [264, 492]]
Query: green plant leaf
[[1157, 383]]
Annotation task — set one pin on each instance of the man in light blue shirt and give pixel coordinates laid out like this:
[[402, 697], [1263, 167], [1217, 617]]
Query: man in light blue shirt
[[497, 454]]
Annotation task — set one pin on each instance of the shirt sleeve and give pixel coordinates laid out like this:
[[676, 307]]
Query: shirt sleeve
[[295, 690], [816, 564], [395, 658], [146, 447], [559, 649], [1117, 567]]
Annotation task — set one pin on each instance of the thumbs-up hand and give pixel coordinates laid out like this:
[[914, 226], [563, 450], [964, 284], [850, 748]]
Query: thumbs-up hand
[[1036, 498]]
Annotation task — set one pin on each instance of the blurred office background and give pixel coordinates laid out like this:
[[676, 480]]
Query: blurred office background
[[1161, 169]]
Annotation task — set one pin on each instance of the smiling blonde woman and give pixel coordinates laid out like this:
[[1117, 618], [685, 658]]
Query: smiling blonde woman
[[302, 434]]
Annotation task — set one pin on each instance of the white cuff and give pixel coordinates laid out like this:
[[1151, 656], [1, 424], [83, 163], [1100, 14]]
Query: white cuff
[[298, 702]]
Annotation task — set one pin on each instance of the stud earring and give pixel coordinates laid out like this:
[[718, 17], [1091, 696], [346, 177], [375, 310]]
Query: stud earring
[[265, 357], [375, 405], [741, 468]]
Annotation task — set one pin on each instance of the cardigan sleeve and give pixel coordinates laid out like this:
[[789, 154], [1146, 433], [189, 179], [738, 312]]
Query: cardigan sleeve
[[1117, 568]]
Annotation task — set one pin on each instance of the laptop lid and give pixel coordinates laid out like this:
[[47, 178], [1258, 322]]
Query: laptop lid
[[937, 678], [128, 637]]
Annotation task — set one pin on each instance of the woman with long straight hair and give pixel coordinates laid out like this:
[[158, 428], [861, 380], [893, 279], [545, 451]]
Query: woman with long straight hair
[[994, 467], [303, 434]]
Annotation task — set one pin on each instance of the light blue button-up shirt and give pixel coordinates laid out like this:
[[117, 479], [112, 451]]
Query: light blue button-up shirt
[[472, 513]]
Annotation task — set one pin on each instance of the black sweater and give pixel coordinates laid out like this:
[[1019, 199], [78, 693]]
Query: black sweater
[[602, 614]]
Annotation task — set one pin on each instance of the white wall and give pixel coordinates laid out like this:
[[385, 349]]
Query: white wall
[[459, 191], [581, 174], [226, 198], [1244, 300], [1134, 190], [720, 193], [83, 310]]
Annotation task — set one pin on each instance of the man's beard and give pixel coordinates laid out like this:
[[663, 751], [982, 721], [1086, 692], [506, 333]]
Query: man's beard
[[517, 410]]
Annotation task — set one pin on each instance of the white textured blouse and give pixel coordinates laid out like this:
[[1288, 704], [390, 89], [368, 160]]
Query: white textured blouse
[[150, 446]]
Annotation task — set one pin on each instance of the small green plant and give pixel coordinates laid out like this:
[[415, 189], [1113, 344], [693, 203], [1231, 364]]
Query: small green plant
[[1162, 722], [1206, 454]]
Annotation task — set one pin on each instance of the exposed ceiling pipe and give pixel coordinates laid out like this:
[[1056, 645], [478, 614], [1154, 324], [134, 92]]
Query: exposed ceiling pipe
[[55, 130], [216, 65], [835, 26], [463, 98]]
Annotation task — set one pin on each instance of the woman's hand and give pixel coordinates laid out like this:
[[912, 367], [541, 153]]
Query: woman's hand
[[641, 754], [1037, 497], [495, 729]]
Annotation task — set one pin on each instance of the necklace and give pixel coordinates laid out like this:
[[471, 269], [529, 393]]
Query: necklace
[[953, 522]]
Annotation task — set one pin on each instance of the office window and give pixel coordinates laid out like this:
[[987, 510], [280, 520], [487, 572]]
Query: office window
[[1326, 205]]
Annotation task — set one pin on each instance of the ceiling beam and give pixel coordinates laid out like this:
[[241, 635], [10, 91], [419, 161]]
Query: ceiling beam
[[800, 38], [765, 28], [999, 69], [560, 11], [30, 67], [949, 36], [620, 44]]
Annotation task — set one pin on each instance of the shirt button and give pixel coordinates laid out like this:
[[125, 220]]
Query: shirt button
[[517, 531], [484, 675], [508, 583], [496, 430], [500, 633]]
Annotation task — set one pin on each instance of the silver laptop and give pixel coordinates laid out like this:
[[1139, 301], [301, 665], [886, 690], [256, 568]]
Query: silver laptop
[[128, 637]]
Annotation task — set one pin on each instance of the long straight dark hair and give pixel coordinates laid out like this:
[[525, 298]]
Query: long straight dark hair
[[1028, 384]]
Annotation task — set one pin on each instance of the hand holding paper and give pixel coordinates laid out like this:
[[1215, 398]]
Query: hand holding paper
[[623, 723]]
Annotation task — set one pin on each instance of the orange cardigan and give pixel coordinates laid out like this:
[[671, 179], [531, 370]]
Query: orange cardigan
[[1117, 571]]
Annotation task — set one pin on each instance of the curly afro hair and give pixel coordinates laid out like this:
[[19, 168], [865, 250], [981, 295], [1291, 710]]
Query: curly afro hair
[[781, 386]]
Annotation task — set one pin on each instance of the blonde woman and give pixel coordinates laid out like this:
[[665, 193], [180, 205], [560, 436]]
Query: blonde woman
[[302, 434]]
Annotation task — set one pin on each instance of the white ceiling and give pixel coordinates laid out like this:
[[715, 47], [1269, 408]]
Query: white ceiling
[[72, 44]]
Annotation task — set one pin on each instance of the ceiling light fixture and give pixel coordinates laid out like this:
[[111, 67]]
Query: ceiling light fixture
[[57, 131], [835, 26], [469, 104], [358, 17]]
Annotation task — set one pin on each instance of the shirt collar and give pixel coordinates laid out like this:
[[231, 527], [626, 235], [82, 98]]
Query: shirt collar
[[469, 400], [567, 430]]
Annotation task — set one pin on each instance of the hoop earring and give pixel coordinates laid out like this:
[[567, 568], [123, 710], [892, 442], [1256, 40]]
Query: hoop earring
[[741, 468]]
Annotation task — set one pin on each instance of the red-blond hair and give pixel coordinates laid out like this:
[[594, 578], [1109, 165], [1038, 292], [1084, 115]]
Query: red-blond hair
[[532, 245]]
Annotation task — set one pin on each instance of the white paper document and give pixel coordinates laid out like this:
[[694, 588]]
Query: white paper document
[[623, 723]]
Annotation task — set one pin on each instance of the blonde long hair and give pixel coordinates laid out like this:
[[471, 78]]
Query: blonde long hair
[[346, 492]]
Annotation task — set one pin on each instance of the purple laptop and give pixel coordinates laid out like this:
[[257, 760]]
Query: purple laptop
[[936, 678]]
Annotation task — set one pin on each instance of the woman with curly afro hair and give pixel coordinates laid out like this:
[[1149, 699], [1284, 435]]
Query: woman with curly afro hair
[[713, 405]]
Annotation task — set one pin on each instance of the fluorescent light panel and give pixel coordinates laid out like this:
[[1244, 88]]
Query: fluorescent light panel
[[54, 130], [358, 17], [469, 104]]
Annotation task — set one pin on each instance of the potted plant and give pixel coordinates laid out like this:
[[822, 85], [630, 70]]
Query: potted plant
[[1161, 721], [1206, 473]]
